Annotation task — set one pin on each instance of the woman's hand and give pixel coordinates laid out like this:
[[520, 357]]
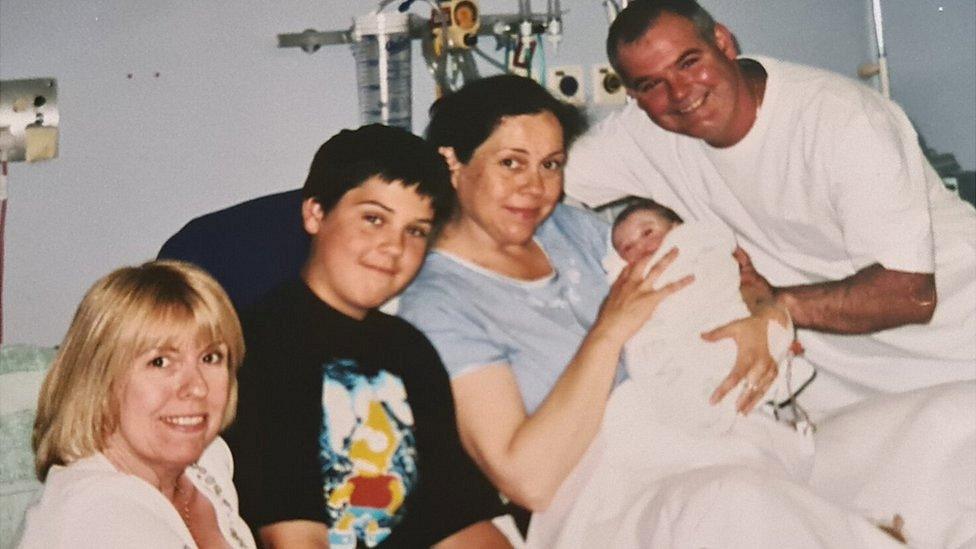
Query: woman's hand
[[753, 363], [528, 456], [632, 298]]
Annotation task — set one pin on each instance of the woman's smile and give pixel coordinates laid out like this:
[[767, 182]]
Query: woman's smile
[[527, 214], [188, 423]]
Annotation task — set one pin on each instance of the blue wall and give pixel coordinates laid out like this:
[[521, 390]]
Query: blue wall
[[932, 59]]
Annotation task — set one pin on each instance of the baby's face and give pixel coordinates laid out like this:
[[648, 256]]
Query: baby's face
[[640, 235]]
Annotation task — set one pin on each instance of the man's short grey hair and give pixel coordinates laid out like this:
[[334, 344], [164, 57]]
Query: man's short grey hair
[[640, 15]]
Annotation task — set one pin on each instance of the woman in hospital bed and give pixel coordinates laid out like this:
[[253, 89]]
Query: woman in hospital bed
[[660, 423], [663, 441], [515, 301]]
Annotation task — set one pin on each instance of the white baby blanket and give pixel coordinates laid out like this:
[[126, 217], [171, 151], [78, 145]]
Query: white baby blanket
[[667, 357]]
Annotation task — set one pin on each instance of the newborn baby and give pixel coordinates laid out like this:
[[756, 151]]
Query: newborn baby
[[667, 356]]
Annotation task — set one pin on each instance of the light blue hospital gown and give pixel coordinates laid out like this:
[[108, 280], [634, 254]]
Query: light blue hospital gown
[[476, 317]]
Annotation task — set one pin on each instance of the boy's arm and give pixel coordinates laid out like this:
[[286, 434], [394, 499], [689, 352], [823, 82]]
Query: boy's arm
[[482, 535], [464, 513], [295, 534]]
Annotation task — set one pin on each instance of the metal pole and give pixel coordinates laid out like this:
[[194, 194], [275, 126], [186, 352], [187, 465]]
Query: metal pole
[[883, 76]]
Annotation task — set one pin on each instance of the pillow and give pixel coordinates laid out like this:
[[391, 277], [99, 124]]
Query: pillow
[[22, 370]]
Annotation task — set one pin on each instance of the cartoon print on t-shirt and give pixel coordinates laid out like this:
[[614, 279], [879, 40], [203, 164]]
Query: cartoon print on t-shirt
[[368, 453]]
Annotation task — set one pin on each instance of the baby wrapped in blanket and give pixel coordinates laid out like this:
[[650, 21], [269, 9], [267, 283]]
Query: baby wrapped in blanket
[[674, 366], [667, 468]]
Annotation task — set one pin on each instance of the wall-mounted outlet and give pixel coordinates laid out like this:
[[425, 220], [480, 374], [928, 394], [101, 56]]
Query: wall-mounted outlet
[[29, 119], [566, 84], [608, 89]]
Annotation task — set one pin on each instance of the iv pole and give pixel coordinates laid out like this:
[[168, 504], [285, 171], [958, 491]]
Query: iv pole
[[883, 76], [310, 40]]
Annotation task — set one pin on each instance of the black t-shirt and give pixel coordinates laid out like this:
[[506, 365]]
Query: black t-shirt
[[350, 423]]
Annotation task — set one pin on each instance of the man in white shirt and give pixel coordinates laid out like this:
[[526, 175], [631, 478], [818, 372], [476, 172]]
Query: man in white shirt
[[822, 180]]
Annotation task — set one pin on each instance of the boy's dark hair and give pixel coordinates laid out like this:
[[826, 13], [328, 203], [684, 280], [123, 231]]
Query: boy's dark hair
[[351, 157], [640, 15], [639, 204], [466, 118]]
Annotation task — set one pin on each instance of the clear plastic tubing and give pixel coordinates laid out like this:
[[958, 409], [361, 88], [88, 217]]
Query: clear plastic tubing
[[381, 48]]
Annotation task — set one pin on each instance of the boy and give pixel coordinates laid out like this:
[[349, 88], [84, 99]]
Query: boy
[[346, 432]]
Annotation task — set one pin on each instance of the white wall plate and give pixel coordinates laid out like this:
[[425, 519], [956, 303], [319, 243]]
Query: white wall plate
[[566, 84], [608, 89]]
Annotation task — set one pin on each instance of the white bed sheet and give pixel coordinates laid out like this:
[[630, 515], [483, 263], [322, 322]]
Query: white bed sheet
[[912, 454]]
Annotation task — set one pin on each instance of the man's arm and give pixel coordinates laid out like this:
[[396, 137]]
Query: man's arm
[[870, 300]]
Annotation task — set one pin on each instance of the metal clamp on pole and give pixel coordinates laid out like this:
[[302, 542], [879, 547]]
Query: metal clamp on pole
[[449, 38]]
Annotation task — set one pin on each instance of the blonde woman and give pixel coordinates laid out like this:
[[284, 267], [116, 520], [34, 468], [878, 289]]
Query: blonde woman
[[126, 433]]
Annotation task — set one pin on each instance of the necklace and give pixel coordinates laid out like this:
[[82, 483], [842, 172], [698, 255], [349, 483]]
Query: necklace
[[183, 510]]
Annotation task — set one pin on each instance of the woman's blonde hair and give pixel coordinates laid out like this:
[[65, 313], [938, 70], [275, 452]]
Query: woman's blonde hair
[[125, 314]]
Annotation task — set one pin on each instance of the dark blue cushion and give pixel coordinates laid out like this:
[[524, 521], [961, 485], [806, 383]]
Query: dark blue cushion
[[250, 248]]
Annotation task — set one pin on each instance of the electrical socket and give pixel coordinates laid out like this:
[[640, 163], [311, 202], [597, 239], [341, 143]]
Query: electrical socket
[[566, 84], [608, 89]]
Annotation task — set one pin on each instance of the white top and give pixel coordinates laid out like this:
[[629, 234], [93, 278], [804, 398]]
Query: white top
[[90, 504], [829, 180]]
